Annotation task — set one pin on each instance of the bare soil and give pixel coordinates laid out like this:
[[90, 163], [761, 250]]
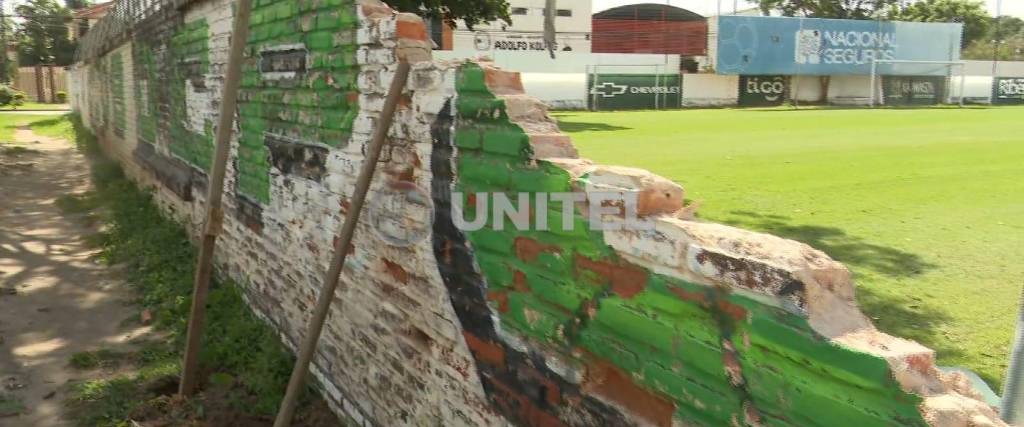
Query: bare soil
[[56, 299]]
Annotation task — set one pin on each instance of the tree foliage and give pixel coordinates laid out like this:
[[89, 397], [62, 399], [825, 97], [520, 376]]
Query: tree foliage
[[1004, 41], [43, 33], [971, 13], [838, 9], [472, 12]]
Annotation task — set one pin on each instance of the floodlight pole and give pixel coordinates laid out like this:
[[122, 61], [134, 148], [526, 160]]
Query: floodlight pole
[[874, 68], [215, 191]]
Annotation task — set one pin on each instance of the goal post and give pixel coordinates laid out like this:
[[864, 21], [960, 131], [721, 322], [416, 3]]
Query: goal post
[[950, 64]]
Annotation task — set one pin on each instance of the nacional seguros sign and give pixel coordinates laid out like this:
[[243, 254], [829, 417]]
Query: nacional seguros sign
[[812, 46]]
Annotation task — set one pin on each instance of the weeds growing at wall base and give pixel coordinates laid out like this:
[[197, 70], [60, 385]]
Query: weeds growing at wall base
[[247, 365]]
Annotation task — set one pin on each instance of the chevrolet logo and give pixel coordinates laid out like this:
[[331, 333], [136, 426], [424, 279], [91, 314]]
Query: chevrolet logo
[[608, 89]]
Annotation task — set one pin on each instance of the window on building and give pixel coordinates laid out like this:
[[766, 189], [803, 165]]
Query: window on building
[[563, 12], [519, 10]]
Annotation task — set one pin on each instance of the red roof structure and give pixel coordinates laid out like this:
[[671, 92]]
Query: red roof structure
[[649, 28]]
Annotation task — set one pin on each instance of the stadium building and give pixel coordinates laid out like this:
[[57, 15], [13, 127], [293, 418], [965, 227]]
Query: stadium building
[[656, 56]]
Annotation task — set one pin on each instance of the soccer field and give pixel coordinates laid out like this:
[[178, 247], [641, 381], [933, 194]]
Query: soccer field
[[926, 206]]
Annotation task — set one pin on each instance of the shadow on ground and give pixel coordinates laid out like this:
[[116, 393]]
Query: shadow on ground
[[569, 126], [904, 316], [851, 250], [48, 122]]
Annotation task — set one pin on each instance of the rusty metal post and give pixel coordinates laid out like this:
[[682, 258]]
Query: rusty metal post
[[323, 303], [215, 190]]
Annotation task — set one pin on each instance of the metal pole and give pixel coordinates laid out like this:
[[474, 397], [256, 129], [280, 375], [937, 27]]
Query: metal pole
[[874, 66], [1013, 389], [963, 78], [323, 303], [214, 214], [995, 43]]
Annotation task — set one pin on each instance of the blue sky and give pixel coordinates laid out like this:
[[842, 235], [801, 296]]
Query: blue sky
[[709, 7]]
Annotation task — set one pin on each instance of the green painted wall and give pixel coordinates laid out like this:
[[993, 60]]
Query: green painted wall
[[145, 96], [316, 105], [674, 338], [117, 92], [190, 58]]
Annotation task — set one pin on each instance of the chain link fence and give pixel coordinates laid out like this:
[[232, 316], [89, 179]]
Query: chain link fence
[[125, 17]]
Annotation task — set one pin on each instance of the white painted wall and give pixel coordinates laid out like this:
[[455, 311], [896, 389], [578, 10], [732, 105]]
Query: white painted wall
[[572, 31], [570, 62], [1003, 68], [700, 90]]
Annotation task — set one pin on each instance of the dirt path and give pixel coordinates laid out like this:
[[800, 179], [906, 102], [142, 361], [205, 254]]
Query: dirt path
[[55, 300]]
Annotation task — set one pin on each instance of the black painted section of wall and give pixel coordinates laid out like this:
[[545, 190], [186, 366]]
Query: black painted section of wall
[[522, 390], [297, 158], [173, 173], [249, 212]]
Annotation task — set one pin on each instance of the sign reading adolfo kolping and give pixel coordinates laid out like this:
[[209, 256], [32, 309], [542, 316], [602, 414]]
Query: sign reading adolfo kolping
[[1008, 90], [762, 90]]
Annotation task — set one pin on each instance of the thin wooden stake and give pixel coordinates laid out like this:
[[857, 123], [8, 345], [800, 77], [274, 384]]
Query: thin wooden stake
[[214, 212], [323, 303]]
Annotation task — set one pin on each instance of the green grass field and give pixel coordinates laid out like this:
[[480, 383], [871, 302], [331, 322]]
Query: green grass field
[[926, 206]]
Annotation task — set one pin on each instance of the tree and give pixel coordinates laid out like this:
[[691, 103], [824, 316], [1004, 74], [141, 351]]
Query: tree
[[472, 12], [43, 33], [972, 13], [838, 9], [1005, 33]]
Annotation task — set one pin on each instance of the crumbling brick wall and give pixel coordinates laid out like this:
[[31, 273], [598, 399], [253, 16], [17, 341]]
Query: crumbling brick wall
[[682, 323]]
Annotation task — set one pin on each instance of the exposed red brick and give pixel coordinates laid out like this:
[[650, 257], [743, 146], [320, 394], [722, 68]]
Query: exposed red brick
[[626, 279], [514, 402], [528, 249], [409, 29], [502, 82], [734, 311], [697, 297], [500, 297], [610, 382], [519, 282], [396, 271], [485, 351], [371, 10]]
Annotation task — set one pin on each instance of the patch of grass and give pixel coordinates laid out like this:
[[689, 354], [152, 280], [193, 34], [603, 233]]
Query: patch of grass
[[112, 401], [34, 106], [16, 150], [102, 358], [10, 122], [924, 205], [78, 203], [53, 126], [160, 260], [10, 405]]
